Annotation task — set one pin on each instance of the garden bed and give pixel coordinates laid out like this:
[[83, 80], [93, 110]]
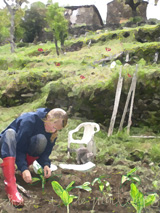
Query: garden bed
[[49, 202]]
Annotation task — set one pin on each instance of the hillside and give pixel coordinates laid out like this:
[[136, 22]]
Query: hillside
[[82, 80]]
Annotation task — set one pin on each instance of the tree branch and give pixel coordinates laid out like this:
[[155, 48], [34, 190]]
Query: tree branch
[[137, 4], [6, 3], [8, 6]]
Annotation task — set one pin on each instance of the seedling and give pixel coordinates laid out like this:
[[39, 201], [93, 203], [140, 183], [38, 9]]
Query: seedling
[[84, 186], [155, 184], [39, 170], [130, 177], [102, 184], [41, 178], [138, 200], [63, 193]]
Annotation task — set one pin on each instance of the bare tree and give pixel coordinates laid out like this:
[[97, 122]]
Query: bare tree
[[156, 2], [13, 6], [135, 3]]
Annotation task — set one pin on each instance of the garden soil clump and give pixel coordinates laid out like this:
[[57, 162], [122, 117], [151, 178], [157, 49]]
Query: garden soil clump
[[117, 200]]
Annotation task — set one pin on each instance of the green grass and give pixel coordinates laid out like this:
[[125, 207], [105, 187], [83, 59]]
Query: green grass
[[74, 64]]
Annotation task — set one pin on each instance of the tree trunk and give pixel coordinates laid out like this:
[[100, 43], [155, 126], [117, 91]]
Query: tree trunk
[[56, 46], [62, 48], [12, 11], [62, 42], [134, 11], [12, 30]]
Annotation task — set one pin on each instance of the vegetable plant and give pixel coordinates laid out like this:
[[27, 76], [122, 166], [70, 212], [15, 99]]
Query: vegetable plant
[[63, 193], [84, 186], [130, 177], [155, 184], [41, 178], [138, 200], [102, 184]]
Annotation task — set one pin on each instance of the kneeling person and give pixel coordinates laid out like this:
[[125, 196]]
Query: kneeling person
[[29, 137]]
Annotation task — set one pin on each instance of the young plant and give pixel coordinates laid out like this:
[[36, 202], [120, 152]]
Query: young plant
[[41, 178], [84, 186], [63, 193], [130, 177], [155, 184], [102, 184], [138, 200]]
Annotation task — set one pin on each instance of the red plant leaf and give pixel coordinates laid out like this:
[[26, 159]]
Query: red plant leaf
[[108, 49], [57, 64], [40, 49], [82, 77]]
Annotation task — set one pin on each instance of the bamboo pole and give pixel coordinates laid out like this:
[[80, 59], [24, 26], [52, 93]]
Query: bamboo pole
[[116, 103], [132, 100]]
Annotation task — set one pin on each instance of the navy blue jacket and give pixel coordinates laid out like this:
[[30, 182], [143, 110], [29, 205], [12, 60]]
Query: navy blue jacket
[[26, 126]]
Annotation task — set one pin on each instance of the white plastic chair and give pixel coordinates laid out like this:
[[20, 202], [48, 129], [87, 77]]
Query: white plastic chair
[[90, 128]]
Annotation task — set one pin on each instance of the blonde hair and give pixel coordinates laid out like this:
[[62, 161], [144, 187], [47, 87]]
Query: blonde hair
[[54, 115]]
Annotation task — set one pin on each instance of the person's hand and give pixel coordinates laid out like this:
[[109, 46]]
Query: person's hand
[[47, 172], [26, 175]]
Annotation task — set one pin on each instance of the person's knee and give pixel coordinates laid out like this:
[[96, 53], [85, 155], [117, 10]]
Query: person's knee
[[41, 139], [10, 133], [38, 144], [41, 143], [8, 143]]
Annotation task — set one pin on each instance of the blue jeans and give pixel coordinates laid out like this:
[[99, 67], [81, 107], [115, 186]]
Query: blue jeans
[[8, 144]]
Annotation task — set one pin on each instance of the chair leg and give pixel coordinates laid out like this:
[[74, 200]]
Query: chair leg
[[91, 146], [68, 151], [94, 148]]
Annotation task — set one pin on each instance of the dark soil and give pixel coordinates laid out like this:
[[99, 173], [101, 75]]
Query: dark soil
[[49, 202]]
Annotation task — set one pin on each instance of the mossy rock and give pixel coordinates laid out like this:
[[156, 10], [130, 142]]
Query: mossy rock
[[22, 44], [148, 34], [136, 155], [26, 87]]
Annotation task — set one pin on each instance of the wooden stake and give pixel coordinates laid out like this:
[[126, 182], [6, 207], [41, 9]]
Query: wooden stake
[[132, 100], [143, 136], [116, 103], [126, 104]]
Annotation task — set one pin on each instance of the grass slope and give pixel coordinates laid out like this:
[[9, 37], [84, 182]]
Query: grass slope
[[27, 62]]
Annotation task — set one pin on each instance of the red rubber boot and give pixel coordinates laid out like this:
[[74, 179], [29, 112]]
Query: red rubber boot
[[30, 159], [8, 167]]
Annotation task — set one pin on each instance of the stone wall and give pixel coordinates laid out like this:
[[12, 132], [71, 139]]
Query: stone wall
[[118, 12], [83, 15], [97, 103]]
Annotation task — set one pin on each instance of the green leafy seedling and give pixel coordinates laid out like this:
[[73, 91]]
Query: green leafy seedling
[[130, 177], [63, 193], [155, 184], [84, 186], [102, 184], [41, 178], [138, 200]]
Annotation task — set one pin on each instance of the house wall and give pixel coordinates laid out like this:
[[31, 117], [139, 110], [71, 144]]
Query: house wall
[[83, 15]]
